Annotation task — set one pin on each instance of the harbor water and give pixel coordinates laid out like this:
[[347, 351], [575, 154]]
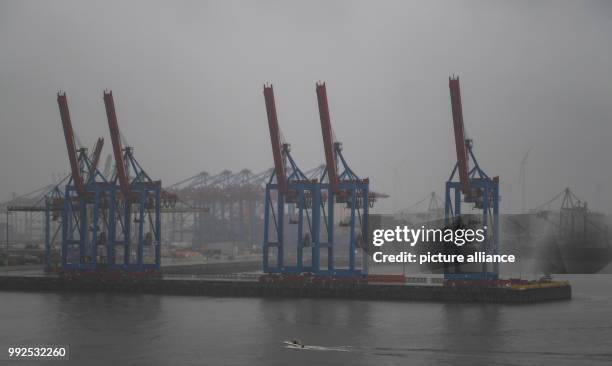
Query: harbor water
[[100, 329]]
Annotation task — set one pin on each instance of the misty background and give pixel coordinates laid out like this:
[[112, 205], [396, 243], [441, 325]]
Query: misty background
[[187, 80]]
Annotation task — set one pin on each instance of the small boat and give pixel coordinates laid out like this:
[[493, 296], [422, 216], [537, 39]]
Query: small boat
[[294, 343]]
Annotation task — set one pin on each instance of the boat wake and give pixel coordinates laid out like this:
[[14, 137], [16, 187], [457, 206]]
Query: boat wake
[[301, 346]]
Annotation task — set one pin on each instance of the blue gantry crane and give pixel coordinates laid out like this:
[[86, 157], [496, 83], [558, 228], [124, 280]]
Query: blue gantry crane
[[81, 203], [309, 200], [474, 187], [101, 214], [134, 207], [290, 187], [339, 184]]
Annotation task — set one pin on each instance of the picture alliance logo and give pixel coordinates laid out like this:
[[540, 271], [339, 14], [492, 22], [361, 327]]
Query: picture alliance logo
[[406, 235]]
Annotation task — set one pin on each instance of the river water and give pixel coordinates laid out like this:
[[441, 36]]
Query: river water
[[113, 329]]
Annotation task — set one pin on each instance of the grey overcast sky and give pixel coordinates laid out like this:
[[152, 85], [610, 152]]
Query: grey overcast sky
[[187, 79]]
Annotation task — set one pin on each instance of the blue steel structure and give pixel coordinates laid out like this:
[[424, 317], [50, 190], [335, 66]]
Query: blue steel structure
[[81, 219], [100, 215], [339, 184], [310, 203], [302, 201], [288, 190], [476, 188], [354, 193], [134, 210], [47, 201], [53, 207], [135, 221]]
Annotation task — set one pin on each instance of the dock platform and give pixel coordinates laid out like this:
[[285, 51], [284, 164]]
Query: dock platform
[[249, 286]]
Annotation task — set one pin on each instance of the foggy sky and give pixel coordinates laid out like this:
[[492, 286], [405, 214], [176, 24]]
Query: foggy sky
[[187, 80]]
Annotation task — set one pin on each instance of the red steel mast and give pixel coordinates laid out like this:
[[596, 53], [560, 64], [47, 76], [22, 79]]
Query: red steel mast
[[328, 139], [279, 166], [116, 140], [77, 179], [460, 141]]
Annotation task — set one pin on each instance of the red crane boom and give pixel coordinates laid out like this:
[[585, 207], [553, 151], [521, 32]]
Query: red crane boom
[[279, 166], [328, 139], [460, 141], [111, 116], [77, 179]]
